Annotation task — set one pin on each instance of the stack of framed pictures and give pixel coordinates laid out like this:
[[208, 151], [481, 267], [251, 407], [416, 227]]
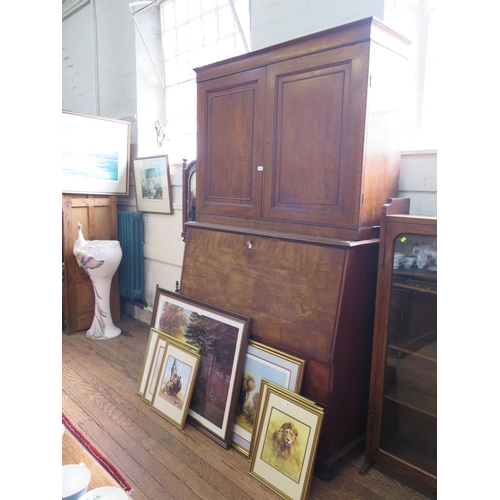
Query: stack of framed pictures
[[168, 376], [221, 338], [200, 366]]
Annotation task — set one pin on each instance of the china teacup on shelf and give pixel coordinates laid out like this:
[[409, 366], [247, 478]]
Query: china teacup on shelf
[[398, 258], [409, 262]]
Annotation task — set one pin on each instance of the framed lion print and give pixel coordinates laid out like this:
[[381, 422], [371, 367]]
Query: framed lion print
[[286, 440]]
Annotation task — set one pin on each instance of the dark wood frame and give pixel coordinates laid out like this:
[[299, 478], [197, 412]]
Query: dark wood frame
[[188, 204], [395, 220], [218, 314]]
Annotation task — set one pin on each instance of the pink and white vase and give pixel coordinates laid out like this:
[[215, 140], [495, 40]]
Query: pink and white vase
[[100, 260]]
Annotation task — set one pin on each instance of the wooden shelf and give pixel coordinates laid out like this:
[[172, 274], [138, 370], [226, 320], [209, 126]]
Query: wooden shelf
[[421, 402], [405, 450], [419, 346]]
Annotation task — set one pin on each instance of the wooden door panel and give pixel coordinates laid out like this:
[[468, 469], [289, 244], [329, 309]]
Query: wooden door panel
[[230, 145], [311, 171]]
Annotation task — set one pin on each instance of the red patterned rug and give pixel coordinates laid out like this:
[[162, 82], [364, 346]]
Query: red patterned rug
[[110, 468]]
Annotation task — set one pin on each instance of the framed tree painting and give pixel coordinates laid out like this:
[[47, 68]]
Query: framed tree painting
[[222, 337], [152, 184], [95, 154], [262, 362]]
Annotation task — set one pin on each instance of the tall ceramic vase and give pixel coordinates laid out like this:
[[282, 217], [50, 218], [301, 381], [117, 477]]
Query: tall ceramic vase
[[100, 260]]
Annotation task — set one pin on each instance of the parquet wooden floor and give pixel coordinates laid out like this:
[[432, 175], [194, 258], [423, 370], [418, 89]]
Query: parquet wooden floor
[[99, 396]]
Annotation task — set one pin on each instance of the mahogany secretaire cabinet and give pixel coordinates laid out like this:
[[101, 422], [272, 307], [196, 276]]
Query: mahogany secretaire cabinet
[[298, 150]]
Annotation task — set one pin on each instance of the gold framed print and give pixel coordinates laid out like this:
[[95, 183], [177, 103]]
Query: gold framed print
[[286, 440]]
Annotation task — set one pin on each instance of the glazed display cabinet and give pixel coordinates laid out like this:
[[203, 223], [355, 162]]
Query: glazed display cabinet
[[402, 417]]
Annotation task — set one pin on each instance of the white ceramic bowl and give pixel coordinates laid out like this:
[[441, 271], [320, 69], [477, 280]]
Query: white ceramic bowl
[[75, 481], [105, 493]]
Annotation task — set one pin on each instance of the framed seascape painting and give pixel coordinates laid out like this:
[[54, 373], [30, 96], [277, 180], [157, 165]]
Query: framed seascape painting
[[174, 387], [152, 184], [262, 362], [286, 440], [222, 337], [152, 360], [95, 154]]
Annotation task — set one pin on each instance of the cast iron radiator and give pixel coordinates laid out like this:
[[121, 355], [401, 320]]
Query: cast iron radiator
[[131, 237]]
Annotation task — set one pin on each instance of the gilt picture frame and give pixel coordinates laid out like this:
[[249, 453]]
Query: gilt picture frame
[[152, 361], [286, 440], [222, 337], [262, 362], [152, 184], [175, 383], [95, 154]]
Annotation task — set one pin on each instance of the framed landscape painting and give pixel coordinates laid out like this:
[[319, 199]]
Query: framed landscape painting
[[95, 154], [152, 184], [222, 337], [262, 362]]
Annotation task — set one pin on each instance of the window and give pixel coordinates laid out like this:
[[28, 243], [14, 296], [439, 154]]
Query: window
[[196, 33]]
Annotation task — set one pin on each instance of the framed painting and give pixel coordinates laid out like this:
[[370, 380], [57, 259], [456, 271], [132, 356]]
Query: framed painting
[[262, 362], [152, 361], [152, 184], [222, 337], [286, 440], [175, 383], [95, 154]]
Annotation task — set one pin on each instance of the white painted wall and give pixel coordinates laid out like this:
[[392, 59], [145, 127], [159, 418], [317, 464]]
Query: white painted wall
[[123, 84], [275, 21]]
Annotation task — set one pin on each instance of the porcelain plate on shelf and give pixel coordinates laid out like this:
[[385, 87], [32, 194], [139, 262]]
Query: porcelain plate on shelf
[[105, 493], [432, 268]]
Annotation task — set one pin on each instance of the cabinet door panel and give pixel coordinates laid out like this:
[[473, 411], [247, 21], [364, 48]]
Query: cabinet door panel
[[313, 130], [230, 144]]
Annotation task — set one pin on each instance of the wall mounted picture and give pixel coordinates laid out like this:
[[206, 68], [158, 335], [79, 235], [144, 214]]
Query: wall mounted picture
[[262, 362], [287, 433], [95, 154], [152, 361], [152, 184], [175, 383], [222, 337]]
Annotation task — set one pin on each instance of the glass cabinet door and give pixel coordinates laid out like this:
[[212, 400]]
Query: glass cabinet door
[[409, 414]]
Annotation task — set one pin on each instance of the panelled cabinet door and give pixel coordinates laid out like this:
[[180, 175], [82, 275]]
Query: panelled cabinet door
[[230, 144], [314, 132]]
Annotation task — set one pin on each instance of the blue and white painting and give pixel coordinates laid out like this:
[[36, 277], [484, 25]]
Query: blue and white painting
[[95, 154], [102, 166]]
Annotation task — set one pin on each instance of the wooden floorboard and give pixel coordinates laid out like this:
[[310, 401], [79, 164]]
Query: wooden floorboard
[[99, 395]]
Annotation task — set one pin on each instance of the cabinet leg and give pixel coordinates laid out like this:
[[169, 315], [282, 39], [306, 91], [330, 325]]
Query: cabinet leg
[[366, 465]]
